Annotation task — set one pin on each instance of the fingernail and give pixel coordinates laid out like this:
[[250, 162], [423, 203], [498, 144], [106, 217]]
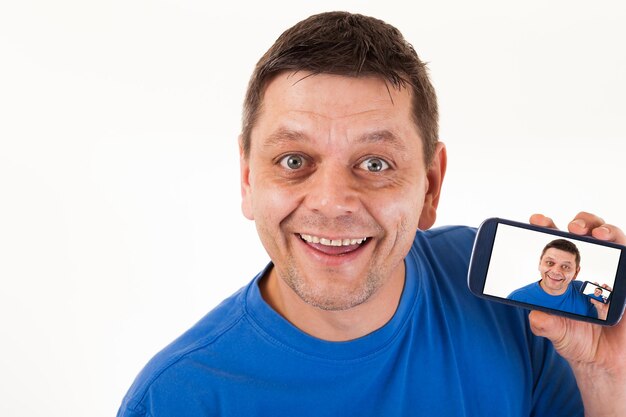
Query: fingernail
[[604, 229], [579, 223]]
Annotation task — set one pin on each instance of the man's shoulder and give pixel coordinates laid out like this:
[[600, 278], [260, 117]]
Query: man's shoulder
[[452, 232], [446, 237], [449, 245], [521, 293], [201, 336]]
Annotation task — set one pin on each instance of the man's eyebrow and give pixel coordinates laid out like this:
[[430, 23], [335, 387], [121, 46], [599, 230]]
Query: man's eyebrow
[[549, 258]]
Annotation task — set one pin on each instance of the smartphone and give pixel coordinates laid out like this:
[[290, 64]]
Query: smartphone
[[596, 292], [549, 270]]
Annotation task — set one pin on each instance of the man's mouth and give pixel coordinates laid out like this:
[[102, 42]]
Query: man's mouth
[[332, 242], [334, 246], [555, 278]]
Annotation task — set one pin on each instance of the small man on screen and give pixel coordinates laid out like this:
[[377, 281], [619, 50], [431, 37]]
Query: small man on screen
[[597, 294], [594, 291], [558, 289]]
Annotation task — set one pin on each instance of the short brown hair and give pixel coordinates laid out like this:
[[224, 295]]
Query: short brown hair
[[352, 45], [564, 245]]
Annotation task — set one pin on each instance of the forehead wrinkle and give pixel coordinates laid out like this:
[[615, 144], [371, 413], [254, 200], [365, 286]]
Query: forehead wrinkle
[[285, 135]]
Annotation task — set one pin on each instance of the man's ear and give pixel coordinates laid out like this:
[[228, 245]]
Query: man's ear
[[246, 192], [434, 177]]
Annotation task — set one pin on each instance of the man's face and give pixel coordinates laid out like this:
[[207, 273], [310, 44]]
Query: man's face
[[597, 292], [558, 268], [337, 185]]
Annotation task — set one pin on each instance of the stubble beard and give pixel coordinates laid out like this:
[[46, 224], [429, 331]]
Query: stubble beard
[[562, 288], [327, 297], [323, 293]]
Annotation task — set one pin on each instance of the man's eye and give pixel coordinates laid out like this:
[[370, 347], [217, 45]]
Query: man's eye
[[292, 162], [374, 165]]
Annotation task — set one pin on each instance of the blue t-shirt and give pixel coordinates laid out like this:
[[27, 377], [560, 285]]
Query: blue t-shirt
[[598, 297], [571, 301], [443, 353]]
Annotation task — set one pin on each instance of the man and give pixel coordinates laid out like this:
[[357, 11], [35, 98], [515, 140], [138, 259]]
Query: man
[[559, 265], [597, 295], [362, 311]]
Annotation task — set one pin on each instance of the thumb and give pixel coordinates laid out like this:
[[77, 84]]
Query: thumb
[[548, 326], [575, 341], [601, 308]]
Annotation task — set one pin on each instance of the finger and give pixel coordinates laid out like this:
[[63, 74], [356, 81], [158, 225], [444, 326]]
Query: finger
[[541, 220], [584, 223], [609, 233]]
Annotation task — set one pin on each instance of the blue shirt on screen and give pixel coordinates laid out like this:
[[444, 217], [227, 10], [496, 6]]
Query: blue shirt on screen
[[443, 353], [571, 301], [598, 297]]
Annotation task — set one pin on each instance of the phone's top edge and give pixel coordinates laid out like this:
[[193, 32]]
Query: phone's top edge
[[558, 232]]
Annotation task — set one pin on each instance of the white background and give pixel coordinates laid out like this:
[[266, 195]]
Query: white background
[[515, 260], [120, 223]]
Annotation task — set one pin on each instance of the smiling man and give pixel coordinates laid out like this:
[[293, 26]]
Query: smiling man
[[559, 265], [363, 310], [336, 180], [597, 295]]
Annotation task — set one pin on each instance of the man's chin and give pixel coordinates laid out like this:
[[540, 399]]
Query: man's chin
[[333, 305], [329, 295], [333, 299]]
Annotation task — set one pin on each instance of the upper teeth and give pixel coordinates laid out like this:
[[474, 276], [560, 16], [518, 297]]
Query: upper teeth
[[332, 242]]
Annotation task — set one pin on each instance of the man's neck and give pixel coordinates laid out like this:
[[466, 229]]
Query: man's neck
[[552, 292]]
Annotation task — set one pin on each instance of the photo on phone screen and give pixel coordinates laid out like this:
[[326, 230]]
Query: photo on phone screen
[[540, 269], [596, 292]]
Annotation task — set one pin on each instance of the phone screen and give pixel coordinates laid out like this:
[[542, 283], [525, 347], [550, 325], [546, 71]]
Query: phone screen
[[550, 271], [596, 292]]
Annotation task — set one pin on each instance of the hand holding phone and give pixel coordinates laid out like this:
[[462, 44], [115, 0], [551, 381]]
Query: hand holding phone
[[595, 353], [597, 292], [549, 270]]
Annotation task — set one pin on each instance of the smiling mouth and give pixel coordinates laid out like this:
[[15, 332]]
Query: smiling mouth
[[333, 242], [334, 247], [555, 279]]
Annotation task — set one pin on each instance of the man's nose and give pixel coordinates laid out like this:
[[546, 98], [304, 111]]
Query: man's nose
[[555, 270], [333, 192]]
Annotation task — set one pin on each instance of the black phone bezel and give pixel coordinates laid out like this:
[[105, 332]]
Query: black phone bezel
[[481, 257]]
